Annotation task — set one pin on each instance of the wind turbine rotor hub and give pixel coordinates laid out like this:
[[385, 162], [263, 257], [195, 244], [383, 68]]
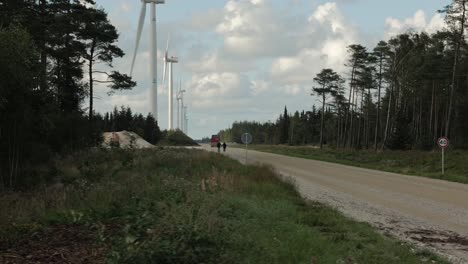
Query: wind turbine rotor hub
[[154, 1], [173, 59]]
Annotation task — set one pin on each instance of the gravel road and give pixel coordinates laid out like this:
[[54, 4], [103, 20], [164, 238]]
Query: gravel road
[[428, 213]]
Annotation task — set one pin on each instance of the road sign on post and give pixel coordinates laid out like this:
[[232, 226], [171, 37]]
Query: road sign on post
[[443, 143], [246, 139]]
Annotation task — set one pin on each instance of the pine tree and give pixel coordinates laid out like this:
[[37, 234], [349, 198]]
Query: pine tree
[[400, 138], [381, 52], [456, 18], [328, 82], [100, 37]]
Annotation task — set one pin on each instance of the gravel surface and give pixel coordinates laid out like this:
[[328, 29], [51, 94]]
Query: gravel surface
[[126, 140], [428, 213]]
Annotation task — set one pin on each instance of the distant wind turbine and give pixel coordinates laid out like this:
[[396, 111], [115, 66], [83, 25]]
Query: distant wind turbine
[[185, 121], [153, 50], [169, 60], [180, 107]]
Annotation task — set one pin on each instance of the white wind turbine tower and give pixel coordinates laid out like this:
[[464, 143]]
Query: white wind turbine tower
[[180, 107], [153, 50], [185, 121], [169, 60]]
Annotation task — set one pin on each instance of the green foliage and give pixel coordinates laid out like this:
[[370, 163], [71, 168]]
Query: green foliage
[[329, 83], [123, 119], [189, 206], [40, 101], [303, 128], [400, 138], [176, 138]]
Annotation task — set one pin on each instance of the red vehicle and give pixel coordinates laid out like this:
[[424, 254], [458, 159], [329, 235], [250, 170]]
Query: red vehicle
[[214, 140]]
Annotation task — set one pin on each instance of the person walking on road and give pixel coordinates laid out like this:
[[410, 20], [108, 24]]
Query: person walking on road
[[224, 146], [219, 147]]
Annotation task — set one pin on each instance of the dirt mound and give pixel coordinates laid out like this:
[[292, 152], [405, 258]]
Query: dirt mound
[[125, 140]]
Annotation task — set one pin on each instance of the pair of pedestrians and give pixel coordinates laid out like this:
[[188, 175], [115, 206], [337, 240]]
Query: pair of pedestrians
[[223, 145]]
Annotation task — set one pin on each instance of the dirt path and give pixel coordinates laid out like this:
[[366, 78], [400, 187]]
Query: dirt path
[[427, 212]]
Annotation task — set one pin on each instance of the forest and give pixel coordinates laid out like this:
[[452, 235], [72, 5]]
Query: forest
[[52, 54], [402, 94]]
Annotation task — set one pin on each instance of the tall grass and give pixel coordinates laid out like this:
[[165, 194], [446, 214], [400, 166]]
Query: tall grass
[[189, 206]]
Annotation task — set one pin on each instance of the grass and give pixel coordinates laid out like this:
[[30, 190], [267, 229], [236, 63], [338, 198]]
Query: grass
[[417, 163], [189, 206]]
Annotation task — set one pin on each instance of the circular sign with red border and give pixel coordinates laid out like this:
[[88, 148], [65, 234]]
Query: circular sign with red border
[[443, 142]]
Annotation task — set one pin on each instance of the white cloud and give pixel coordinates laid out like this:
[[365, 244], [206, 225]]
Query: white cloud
[[332, 34], [209, 89], [259, 86], [216, 62], [246, 59], [255, 28], [417, 23]]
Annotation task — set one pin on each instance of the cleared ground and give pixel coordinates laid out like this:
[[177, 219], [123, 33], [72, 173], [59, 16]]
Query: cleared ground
[[428, 212]]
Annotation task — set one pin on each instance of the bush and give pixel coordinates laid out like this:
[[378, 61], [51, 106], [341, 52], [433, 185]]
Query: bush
[[400, 138], [176, 138]]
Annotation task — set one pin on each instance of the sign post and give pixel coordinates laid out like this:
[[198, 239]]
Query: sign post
[[443, 143], [246, 139]]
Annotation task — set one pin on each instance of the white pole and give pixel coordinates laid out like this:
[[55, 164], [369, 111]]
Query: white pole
[[153, 63], [246, 149], [170, 99], [443, 161], [182, 116], [178, 109], [185, 120]]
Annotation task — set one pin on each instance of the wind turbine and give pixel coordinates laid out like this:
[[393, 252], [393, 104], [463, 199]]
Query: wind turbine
[[180, 107], [185, 121], [169, 60], [153, 50]]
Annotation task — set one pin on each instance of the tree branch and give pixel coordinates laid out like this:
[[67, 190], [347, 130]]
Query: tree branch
[[101, 72]]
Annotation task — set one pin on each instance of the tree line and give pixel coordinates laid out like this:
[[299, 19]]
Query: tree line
[[299, 128], [52, 53], [403, 93], [124, 119]]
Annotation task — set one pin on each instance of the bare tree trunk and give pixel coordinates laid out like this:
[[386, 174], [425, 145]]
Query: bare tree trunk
[[388, 117], [368, 118], [351, 88], [432, 109], [454, 72], [359, 120], [413, 115], [13, 154], [42, 46], [322, 121], [91, 85], [377, 122], [338, 123], [436, 119], [351, 126]]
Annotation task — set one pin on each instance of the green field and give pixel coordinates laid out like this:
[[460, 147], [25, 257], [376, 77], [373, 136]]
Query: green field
[[181, 206], [417, 163]]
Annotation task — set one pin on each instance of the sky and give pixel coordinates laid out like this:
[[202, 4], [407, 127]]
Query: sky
[[248, 59]]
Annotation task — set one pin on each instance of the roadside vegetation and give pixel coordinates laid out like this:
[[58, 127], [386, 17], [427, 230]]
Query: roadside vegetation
[[180, 206], [418, 163], [176, 138]]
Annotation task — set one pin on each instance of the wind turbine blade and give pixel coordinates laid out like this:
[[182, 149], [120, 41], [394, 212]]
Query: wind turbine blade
[[138, 37], [167, 44]]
